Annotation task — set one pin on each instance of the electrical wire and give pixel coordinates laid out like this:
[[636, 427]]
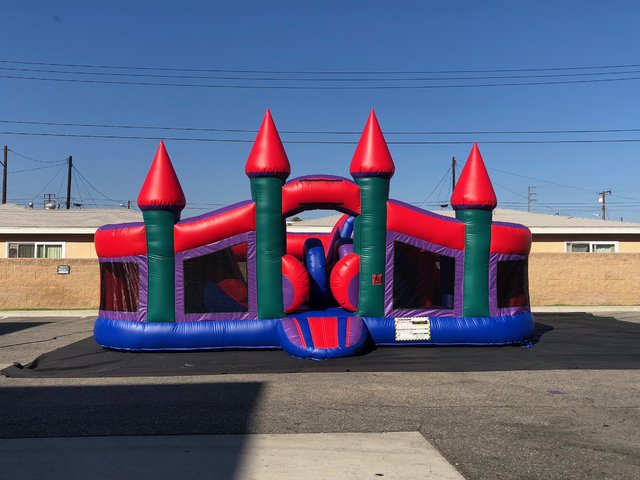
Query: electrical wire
[[47, 184], [317, 87], [82, 181], [36, 168], [544, 181], [319, 72], [306, 79], [434, 189], [322, 132], [319, 142], [33, 159], [82, 177], [80, 199], [60, 187], [523, 196]]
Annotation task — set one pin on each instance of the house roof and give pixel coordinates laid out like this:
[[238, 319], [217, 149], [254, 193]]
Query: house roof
[[17, 219], [538, 223]]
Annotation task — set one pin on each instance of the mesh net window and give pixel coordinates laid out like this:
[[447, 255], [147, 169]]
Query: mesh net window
[[513, 283], [217, 282], [422, 279], [119, 286]]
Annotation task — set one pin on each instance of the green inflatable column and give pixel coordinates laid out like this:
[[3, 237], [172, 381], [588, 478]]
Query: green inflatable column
[[372, 167], [161, 264], [372, 238], [476, 262], [161, 200], [268, 167], [474, 199]]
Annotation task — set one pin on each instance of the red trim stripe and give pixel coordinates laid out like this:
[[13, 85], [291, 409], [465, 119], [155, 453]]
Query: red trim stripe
[[324, 331], [302, 340]]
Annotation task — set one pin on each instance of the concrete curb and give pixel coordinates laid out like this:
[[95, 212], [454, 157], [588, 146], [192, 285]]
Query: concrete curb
[[47, 313], [585, 308]]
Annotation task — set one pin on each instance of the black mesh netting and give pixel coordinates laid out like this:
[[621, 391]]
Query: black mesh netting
[[422, 279], [217, 282], [119, 286], [513, 283]]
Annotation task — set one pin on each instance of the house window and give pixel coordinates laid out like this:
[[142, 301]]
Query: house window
[[591, 247], [217, 282], [36, 250], [422, 279]]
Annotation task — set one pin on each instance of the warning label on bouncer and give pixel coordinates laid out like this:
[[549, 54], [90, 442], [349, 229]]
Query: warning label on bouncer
[[413, 328]]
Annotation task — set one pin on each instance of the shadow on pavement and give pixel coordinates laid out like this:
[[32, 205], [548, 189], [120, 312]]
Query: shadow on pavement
[[11, 327], [109, 411], [560, 341], [539, 331], [116, 410]]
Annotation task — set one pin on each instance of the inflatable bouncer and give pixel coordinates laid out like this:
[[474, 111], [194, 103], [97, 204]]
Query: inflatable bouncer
[[388, 274]]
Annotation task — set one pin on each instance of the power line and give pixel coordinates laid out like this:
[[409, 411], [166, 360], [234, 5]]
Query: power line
[[34, 159], [60, 187], [544, 181], [62, 168], [93, 202], [318, 142], [320, 132], [523, 196], [317, 87], [36, 168], [94, 188], [318, 72], [306, 79], [80, 199], [446, 173]]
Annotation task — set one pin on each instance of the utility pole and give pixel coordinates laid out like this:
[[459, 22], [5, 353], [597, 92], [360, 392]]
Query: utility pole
[[4, 175], [530, 197], [453, 173], [69, 168], [603, 201]]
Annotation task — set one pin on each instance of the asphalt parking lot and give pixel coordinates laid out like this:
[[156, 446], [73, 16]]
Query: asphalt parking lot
[[501, 423]]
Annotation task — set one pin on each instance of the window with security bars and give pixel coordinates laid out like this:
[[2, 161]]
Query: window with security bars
[[591, 247], [35, 250]]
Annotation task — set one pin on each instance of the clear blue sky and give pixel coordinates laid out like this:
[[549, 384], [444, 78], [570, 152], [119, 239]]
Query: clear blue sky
[[327, 36]]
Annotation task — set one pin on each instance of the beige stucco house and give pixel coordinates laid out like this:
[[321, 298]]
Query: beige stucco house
[[40, 233], [47, 257]]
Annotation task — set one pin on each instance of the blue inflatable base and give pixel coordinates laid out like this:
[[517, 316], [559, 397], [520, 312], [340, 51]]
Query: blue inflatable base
[[263, 334], [500, 330], [203, 335], [298, 340]]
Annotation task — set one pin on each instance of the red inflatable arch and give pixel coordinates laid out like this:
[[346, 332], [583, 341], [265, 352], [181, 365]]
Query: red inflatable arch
[[320, 192]]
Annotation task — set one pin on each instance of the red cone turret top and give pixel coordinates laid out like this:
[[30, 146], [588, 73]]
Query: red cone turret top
[[161, 189], [474, 189], [372, 157], [267, 157]]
